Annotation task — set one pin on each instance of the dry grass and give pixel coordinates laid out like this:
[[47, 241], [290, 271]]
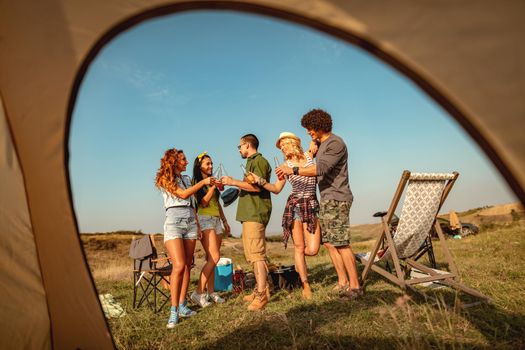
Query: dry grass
[[384, 318]]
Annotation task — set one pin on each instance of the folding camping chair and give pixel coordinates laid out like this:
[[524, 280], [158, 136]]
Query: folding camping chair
[[150, 274], [425, 195]]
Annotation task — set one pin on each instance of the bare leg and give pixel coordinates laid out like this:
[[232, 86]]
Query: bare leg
[[350, 265], [337, 260], [313, 241], [189, 248], [298, 232], [177, 255], [298, 241], [216, 257], [209, 243]]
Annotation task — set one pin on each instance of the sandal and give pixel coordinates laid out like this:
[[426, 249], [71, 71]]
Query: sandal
[[351, 294], [339, 288]]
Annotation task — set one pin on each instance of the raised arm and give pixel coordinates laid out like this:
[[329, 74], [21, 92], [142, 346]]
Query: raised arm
[[261, 169], [276, 188], [243, 185], [188, 192], [313, 148], [284, 170], [207, 197], [334, 151]]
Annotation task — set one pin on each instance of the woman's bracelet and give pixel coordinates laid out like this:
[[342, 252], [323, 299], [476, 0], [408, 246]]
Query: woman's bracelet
[[262, 181]]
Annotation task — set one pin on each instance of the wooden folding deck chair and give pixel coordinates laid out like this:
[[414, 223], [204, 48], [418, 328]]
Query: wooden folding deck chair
[[150, 274], [425, 195], [426, 248]]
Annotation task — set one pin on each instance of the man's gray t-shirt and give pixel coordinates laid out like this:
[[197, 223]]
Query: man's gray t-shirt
[[332, 170]]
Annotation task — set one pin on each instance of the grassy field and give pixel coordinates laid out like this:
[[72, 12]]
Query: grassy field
[[384, 318]]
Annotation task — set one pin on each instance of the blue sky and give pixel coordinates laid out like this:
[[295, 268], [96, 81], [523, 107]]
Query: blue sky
[[198, 81]]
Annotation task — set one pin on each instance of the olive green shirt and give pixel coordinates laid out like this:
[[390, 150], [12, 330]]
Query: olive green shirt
[[212, 209], [256, 206]]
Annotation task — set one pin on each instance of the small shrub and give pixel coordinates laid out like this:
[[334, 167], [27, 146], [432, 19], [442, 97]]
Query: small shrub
[[487, 226], [96, 244], [515, 215]]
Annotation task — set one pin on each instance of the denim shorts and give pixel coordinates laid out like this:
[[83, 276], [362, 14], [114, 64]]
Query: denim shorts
[[209, 222], [297, 214], [180, 223]]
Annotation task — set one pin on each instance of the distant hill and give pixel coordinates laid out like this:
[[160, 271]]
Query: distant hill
[[494, 214], [483, 216]]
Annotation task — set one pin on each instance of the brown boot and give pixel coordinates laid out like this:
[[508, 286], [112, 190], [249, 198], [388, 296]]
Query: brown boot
[[307, 291], [249, 298], [260, 301]]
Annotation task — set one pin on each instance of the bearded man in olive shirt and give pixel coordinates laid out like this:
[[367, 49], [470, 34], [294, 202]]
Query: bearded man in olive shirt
[[331, 169], [253, 211]]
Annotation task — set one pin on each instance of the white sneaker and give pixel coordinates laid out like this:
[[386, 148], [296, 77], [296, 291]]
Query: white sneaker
[[216, 298], [200, 299]]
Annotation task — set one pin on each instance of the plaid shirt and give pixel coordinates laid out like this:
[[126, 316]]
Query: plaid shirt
[[307, 210]]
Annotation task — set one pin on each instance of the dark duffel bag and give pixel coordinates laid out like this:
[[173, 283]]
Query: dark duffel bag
[[285, 277]]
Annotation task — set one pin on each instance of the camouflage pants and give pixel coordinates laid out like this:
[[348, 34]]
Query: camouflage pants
[[334, 217]]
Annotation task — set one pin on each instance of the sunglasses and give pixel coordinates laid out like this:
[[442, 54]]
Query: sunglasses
[[242, 144]]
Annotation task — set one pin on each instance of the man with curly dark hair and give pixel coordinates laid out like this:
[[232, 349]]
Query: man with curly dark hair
[[317, 119], [331, 170]]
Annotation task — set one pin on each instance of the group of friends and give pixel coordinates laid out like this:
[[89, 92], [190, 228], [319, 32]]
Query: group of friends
[[306, 220]]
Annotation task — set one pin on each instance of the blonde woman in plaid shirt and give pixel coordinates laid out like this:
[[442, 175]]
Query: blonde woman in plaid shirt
[[300, 217]]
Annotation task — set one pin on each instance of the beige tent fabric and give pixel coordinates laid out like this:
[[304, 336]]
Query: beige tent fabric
[[472, 52], [23, 308], [469, 56], [37, 67]]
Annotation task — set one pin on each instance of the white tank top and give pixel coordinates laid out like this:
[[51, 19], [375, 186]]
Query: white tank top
[[174, 201], [303, 186]]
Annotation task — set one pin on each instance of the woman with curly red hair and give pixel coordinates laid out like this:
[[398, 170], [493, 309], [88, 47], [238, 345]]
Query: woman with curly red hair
[[180, 227]]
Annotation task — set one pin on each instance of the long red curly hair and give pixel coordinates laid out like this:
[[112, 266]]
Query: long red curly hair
[[166, 175]]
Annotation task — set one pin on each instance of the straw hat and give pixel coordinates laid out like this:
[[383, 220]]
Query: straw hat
[[286, 135]]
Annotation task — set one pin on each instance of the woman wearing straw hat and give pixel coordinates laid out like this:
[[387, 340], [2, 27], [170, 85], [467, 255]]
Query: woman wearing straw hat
[[300, 218]]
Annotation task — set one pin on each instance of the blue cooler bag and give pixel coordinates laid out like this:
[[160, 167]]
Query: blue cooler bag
[[223, 275]]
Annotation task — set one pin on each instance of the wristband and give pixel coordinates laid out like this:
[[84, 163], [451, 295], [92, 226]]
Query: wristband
[[261, 182], [295, 170]]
